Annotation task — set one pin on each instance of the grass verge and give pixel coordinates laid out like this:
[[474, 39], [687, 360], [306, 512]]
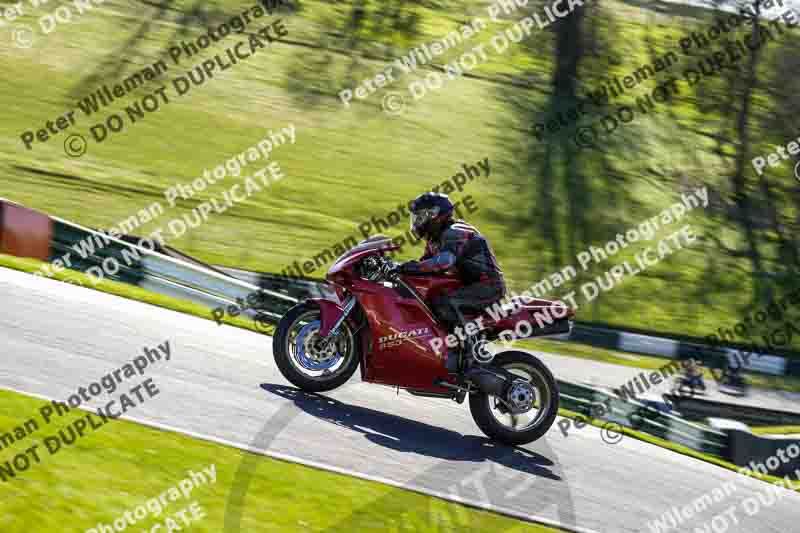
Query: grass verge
[[117, 468], [776, 430]]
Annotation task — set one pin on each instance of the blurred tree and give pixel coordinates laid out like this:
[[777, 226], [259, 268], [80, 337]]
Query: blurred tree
[[358, 30], [186, 18], [570, 202], [747, 127]]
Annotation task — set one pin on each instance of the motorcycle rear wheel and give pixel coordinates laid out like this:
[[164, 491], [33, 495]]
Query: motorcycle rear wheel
[[488, 411], [301, 358]]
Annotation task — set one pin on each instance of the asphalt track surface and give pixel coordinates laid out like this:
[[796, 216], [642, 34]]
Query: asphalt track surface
[[222, 384]]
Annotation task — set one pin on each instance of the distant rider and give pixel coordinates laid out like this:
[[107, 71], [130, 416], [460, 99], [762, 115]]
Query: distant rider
[[694, 374]]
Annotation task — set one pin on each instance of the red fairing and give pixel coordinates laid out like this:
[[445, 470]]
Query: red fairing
[[330, 312], [539, 314], [402, 330]]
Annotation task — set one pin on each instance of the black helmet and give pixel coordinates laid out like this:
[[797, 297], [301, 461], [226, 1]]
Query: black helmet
[[429, 212]]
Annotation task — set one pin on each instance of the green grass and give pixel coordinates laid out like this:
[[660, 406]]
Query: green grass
[[776, 430], [121, 465], [603, 355], [351, 164]]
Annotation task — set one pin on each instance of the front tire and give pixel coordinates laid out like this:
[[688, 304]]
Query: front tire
[[301, 358], [544, 407]]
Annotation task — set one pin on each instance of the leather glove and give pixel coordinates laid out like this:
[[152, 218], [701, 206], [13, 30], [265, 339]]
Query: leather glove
[[393, 272]]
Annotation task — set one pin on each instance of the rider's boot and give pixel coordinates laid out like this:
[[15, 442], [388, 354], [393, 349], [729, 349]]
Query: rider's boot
[[453, 359], [454, 355]]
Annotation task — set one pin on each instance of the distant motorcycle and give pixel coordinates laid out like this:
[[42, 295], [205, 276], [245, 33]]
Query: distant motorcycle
[[732, 382], [386, 327], [688, 386]]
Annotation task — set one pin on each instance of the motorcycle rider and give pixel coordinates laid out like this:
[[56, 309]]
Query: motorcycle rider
[[694, 374], [454, 244]]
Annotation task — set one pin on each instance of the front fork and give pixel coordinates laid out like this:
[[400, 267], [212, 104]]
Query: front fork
[[349, 304]]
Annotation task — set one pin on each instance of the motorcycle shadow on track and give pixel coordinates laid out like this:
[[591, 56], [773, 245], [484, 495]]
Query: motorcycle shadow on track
[[410, 436]]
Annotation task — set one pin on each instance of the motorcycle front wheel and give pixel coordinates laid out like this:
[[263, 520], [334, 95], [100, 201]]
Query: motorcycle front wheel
[[305, 359], [529, 407]]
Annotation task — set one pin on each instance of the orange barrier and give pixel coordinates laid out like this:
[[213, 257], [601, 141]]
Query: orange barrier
[[24, 232]]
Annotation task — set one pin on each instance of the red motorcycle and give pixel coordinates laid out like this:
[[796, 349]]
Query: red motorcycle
[[386, 327]]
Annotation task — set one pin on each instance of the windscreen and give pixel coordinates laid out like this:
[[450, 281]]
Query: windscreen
[[375, 242]]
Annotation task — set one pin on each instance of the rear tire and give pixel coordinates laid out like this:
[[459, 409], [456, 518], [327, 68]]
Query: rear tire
[[285, 348], [481, 405]]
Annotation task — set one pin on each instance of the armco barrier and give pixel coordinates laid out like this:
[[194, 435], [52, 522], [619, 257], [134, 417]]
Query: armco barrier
[[67, 235], [695, 408], [296, 288], [633, 342], [140, 266], [746, 448], [602, 338], [592, 402]]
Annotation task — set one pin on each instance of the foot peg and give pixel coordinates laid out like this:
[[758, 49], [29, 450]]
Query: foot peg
[[460, 396]]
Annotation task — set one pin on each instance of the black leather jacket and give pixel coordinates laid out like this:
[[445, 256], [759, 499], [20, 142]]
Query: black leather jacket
[[463, 247]]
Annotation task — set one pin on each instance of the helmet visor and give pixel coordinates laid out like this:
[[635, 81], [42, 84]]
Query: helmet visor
[[421, 218]]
